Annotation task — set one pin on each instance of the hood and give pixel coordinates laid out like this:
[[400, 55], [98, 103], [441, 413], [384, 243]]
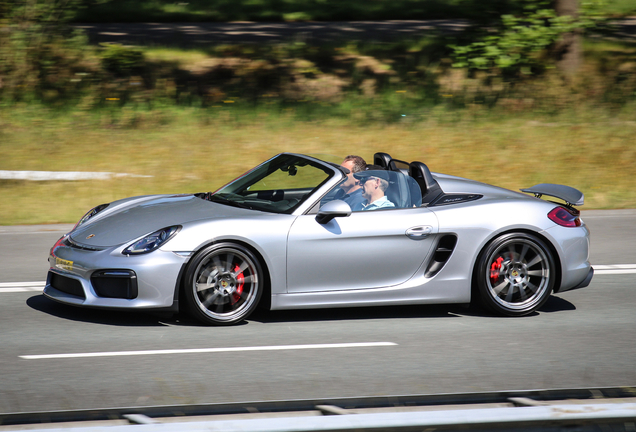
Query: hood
[[128, 222]]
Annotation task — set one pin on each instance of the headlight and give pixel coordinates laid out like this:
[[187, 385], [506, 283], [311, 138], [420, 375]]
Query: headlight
[[152, 241], [90, 214]]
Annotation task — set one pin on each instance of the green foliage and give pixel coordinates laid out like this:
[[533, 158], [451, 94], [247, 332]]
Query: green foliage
[[40, 56], [519, 44], [123, 61], [42, 61]]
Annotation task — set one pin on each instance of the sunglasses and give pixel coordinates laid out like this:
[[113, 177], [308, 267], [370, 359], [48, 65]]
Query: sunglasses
[[363, 180]]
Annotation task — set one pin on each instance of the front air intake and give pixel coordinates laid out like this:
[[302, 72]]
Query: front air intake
[[66, 285], [115, 284], [443, 251]]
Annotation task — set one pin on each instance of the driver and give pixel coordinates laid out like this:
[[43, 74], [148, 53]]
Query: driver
[[351, 187], [374, 182]]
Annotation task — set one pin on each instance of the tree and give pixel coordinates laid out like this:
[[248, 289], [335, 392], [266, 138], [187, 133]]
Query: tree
[[38, 49], [518, 43], [546, 33], [568, 49]]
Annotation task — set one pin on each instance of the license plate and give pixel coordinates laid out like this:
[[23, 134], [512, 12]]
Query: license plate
[[63, 264]]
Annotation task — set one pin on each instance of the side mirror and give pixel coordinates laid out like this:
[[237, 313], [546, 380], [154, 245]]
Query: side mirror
[[333, 209]]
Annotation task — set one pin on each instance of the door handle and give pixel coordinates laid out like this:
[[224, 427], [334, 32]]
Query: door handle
[[419, 232]]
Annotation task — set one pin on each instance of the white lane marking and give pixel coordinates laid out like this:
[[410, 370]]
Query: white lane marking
[[20, 289], [208, 350], [614, 266], [22, 284], [611, 272], [614, 269], [12, 287]]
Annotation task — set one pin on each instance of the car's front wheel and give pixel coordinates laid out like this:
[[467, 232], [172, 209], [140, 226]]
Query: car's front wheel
[[515, 274], [223, 284]]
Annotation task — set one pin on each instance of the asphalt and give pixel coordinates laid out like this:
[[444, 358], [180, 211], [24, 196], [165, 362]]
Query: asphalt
[[201, 34], [578, 339]]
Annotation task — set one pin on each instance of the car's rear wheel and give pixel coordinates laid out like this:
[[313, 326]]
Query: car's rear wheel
[[223, 284], [515, 274]]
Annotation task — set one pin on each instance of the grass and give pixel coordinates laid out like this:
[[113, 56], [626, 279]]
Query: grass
[[307, 10], [200, 150], [198, 126]]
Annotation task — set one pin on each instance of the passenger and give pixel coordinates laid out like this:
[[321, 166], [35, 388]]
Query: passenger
[[351, 187], [374, 182]]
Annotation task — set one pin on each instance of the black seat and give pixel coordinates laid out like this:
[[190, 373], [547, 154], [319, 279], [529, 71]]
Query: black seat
[[400, 166], [398, 192], [382, 159], [428, 185], [401, 192], [409, 191]]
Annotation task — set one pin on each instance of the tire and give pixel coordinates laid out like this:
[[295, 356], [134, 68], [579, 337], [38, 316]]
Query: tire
[[515, 274], [223, 284]]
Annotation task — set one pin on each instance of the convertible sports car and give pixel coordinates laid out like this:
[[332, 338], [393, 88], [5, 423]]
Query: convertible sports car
[[280, 236]]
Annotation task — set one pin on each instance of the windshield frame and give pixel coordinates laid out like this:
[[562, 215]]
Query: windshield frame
[[236, 193]]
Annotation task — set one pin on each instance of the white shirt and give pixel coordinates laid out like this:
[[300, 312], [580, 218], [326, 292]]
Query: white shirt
[[379, 203]]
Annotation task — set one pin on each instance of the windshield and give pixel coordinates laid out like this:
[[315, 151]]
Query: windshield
[[279, 185]]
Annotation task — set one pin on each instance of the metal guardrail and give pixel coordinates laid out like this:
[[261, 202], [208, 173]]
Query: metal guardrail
[[532, 410], [527, 418]]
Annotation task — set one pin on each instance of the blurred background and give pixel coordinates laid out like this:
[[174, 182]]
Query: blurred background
[[184, 96]]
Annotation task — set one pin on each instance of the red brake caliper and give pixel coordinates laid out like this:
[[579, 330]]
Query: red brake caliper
[[495, 269], [240, 282]]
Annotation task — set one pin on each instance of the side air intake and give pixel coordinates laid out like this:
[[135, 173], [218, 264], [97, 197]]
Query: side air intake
[[443, 251]]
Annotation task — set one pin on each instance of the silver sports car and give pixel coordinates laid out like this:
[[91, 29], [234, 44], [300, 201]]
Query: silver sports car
[[285, 236]]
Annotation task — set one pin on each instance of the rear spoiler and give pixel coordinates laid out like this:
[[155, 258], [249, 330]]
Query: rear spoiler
[[571, 196]]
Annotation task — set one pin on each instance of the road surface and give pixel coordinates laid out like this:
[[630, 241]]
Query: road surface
[[201, 34], [101, 359]]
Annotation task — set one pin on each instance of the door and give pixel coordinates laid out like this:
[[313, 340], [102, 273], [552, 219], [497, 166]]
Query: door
[[368, 249]]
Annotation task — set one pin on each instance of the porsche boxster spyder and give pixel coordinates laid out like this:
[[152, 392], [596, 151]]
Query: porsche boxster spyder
[[283, 236]]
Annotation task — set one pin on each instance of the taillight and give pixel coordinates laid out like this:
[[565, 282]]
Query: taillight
[[565, 217]]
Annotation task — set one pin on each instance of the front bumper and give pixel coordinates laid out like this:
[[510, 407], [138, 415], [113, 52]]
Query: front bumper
[[108, 279]]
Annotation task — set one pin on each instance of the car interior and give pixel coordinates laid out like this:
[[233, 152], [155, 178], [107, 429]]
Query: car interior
[[401, 192]]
